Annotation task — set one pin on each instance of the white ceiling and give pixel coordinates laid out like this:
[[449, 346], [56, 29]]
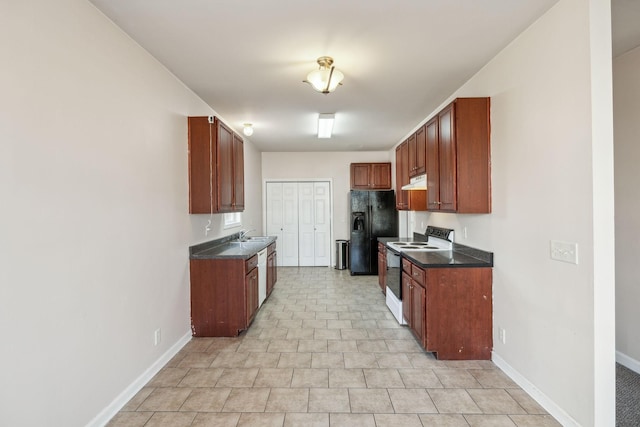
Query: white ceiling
[[401, 59]]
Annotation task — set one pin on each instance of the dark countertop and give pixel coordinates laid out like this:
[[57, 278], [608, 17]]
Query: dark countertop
[[228, 247], [460, 256]]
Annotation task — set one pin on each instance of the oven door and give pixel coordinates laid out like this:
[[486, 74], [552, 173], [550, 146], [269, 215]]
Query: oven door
[[394, 274], [394, 288]]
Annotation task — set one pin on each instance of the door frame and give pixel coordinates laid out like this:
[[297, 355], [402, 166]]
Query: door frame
[[299, 180]]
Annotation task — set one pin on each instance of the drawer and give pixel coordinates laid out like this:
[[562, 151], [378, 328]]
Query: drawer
[[251, 263], [406, 265], [382, 247], [271, 248], [417, 274]]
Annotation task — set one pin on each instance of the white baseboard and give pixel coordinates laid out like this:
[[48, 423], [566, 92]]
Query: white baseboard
[[628, 362], [118, 403], [549, 405]]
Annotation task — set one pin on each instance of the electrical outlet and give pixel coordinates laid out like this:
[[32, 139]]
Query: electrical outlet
[[502, 335], [564, 251], [157, 336]]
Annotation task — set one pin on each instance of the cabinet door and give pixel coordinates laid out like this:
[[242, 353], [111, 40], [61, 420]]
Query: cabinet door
[[251, 293], [381, 176], [224, 167], [406, 298], [238, 173], [402, 175], [271, 262], [466, 332], [447, 156], [202, 182], [360, 176], [412, 155], [417, 310], [382, 271], [432, 165], [420, 151]]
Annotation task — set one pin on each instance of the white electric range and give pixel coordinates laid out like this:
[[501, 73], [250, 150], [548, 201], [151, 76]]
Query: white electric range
[[437, 239]]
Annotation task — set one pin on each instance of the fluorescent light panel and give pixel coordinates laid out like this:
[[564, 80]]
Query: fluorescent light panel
[[325, 125]]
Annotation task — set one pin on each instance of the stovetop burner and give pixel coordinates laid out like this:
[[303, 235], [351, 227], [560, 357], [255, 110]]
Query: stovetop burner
[[440, 239]]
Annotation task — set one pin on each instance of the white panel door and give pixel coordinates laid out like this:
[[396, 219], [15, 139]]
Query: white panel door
[[289, 225], [299, 214], [322, 223], [306, 225], [275, 214], [282, 220]]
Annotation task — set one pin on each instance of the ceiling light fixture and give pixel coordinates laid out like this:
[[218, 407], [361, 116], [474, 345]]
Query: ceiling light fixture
[[327, 78], [325, 125], [248, 129]]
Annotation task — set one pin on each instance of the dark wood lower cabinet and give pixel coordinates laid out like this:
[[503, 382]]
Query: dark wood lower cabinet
[[251, 292], [272, 268], [417, 310], [382, 267], [224, 296], [449, 310], [459, 310], [413, 299]]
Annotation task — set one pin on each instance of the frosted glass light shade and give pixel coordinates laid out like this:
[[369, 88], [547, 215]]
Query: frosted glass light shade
[[326, 79]]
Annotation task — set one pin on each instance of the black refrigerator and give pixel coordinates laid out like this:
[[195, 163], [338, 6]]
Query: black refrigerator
[[373, 215]]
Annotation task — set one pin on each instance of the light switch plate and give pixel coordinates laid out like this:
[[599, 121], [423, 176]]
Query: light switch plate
[[564, 251]]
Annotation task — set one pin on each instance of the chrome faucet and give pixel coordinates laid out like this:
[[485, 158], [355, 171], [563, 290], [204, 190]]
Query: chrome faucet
[[244, 233]]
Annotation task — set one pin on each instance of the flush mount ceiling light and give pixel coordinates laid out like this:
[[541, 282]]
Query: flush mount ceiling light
[[327, 78], [325, 125], [248, 129]]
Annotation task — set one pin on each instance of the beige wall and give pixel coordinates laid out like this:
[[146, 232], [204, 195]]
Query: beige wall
[[552, 180], [626, 91], [331, 165], [95, 226]]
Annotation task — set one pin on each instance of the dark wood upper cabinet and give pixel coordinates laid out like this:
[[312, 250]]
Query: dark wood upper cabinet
[[238, 173], [458, 162], [360, 175], [433, 164], [417, 152], [402, 175], [224, 168], [216, 167], [370, 176], [415, 200], [447, 160]]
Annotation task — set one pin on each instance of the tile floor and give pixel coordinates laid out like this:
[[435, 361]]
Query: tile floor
[[325, 351]]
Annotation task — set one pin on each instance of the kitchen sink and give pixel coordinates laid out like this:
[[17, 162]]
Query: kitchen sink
[[257, 238], [245, 242]]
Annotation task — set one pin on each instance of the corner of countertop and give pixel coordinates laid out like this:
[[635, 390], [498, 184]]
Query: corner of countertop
[[484, 256]]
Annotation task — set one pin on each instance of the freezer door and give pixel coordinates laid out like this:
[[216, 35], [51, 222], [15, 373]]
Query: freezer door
[[383, 217], [359, 256]]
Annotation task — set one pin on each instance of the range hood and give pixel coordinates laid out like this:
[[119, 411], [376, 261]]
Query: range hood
[[416, 183]]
